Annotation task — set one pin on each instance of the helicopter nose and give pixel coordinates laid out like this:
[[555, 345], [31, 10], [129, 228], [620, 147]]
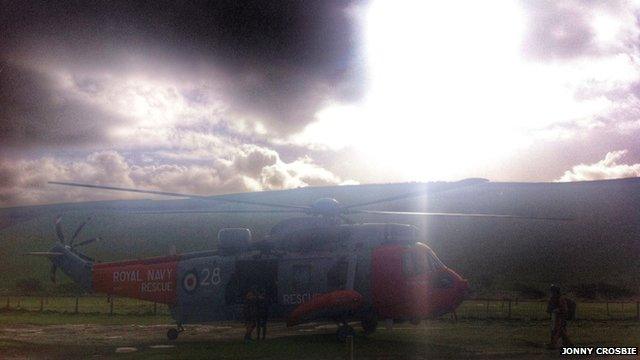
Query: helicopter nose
[[461, 288]]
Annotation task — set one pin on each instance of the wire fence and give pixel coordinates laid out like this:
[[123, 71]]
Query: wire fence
[[537, 309], [514, 309], [85, 304]]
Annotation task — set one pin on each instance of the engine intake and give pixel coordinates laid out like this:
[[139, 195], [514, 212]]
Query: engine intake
[[234, 240]]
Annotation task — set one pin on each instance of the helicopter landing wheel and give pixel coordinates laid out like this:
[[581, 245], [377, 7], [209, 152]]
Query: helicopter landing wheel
[[345, 331], [172, 334]]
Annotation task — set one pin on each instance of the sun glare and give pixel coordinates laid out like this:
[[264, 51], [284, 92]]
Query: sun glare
[[451, 91]]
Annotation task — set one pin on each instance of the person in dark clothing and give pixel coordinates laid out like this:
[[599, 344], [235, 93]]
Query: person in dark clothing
[[262, 314], [559, 310], [250, 313]]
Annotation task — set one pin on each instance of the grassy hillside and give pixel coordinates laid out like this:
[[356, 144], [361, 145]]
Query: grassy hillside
[[600, 246]]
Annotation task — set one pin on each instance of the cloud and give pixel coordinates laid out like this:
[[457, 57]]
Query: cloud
[[590, 48], [273, 63], [36, 109], [251, 168], [607, 168], [575, 28]]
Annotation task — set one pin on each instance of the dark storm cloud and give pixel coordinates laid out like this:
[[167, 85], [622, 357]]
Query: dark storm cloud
[[35, 110], [275, 61]]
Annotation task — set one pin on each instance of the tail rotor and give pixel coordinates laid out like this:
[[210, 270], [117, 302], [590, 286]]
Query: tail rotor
[[72, 242], [63, 244], [78, 230]]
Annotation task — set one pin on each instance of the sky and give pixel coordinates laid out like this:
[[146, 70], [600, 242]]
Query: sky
[[234, 96]]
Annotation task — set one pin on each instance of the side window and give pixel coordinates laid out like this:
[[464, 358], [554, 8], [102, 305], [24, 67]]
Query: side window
[[300, 277]]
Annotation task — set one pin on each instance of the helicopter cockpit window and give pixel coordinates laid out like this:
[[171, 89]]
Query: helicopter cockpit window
[[428, 263], [301, 277], [419, 262], [434, 261], [413, 263], [408, 268]]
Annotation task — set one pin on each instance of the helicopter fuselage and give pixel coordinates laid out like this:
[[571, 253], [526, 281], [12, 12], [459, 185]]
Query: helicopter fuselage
[[391, 273]]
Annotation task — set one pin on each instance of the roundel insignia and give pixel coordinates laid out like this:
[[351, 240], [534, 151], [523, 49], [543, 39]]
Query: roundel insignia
[[190, 282]]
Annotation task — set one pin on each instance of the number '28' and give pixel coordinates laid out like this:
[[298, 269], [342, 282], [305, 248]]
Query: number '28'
[[210, 276]]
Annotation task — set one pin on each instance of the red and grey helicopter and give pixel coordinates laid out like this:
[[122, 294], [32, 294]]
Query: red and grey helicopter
[[317, 267]]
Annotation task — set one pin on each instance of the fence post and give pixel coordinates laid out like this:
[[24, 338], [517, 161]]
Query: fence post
[[76, 308], [509, 313], [111, 306], [350, 347]]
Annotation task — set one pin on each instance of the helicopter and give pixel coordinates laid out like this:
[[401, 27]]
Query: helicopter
[[317, 267]]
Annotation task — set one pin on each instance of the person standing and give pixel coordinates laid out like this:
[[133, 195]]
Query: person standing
[[262, 314], [558, 307], [250, 313]]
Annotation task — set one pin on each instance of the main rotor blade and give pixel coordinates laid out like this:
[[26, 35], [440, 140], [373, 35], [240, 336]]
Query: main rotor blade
[[374, 212], [78, 230], [215, 211], [191, 196], [59, 232], [86, 242], [424, 192]]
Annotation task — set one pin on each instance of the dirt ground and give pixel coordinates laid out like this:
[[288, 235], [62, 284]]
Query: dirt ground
[[433, 340], [106, 341]]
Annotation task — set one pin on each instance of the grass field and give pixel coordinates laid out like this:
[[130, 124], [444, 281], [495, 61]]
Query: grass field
[[480, 332], [433, 339], [470, 309]]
